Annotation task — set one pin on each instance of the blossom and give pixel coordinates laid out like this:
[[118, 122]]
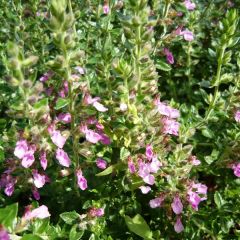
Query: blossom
[[58, 139], [63, 158], [90, 135], [178, 226], [123, 107], [43, 160], [194, 161], [236, 169], [45, 77], [106, 9], [21, 148], [145, 189], [149, 152], [96, 212], [237, 116], [166, 110], [81, 180], [7, 182], [94, 102], [189, 5], [80, 70], [28, 159], [101, 163], [155, 165], [64, 117], [40, 212], [170, 126], [131, 166], [187, 35], [169, 56], [38, 179], [176, 205], [3, 234], [35, 193], [144, 172], [156, 202]]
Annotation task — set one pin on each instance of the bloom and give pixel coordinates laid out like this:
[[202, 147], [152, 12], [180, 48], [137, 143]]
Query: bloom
[[145, 189], [3, 234], [63, 158], [187, 35], [58, 139], [189, 5], [21, 148], [38, 179], [43, 160], [64, 117], [178, 226], [94, 102], [81, 180], [237, 116], [176, 205], [236, 169], [170, 126], [169, 56], [101, 163], [106, 9], [149, 152], [40, 212], [96, 212], [156, 202]]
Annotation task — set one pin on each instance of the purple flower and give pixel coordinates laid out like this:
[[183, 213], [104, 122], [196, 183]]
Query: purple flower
[[237, 116], [106, 9], [28, 159], [155, 165], [178, 226], [170, 126], [144, 173], [96, 212], [63, 158], [64, 117], [3, 234], [7, 182], [58, 139], [81, 180], [101, 163], [21, 148], [194, 161], [156, 202], [189, 5], [91, 136], [236, 169], [187, 35], [40, 212], [35, 193], [43, 160], [94, 102], [169, 56], [145, 189], [131, 166], [38, 179], [46, 76], [80, 70], [149, 152], [177, 206]]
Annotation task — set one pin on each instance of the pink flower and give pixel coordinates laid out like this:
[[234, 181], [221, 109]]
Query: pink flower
[[40, 212], [7, 182], [81, 180], [123, 107], [166, 110], [236, 169], [177, 206], [21, 148], [145, 189], [178, 226], [46, 76], [187, 35], [194, 161], [144, 173], [104, 139], [35, 193], [63, 158], [155, 165], [80, 70], [102, 164], [96, 212], [64, 117], [3, 234], [156, 202], [38, 179], [90, 135], [106, 9], [131, 166], [237, 116], [43, 160], [169, 56], [170, 126], [149, 152], [28, 159], [58, 139], [94, 102], [189, 5]]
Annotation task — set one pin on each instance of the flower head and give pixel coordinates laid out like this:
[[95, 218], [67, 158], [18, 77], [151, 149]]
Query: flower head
[[178, 226], [177, 206], [81, 180], [237, 116], [63, 158], [101, 163], [189, 5]]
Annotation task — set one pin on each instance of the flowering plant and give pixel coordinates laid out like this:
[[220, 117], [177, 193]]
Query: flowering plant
[[110, 130]]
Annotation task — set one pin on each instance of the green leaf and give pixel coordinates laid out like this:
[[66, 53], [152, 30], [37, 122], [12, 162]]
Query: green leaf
[[163, 66], [124, 153], [61, 102], [8, 216], [107, 171], [207, 133], [69, 217], [40, 104], [40, 226], [31, 237], [75, 234], [139, 226], [218, 200]]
